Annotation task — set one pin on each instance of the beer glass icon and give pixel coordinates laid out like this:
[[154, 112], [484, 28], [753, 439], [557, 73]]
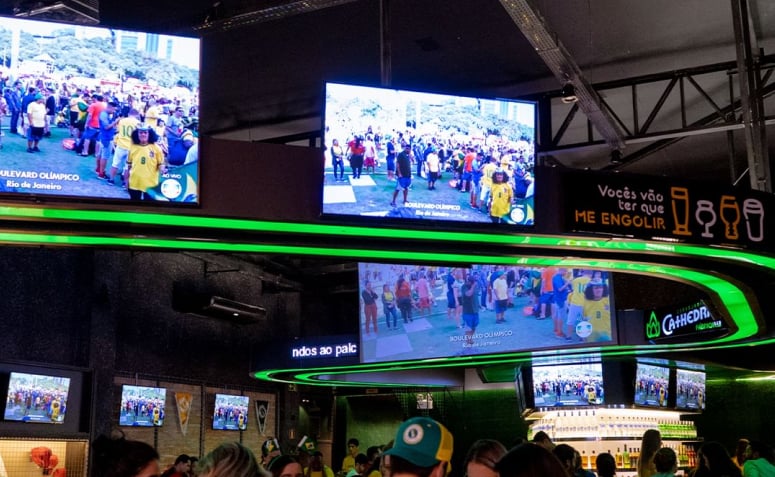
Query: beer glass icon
[[705, 207], [753, 211], [730, 215], [680, 204]]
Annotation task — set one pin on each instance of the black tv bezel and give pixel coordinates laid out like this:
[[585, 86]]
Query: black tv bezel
[[32, 198], [393, 222], [575, 346], [121, 398], [215, 405], [670, 393], [78, 412], [679, 368]]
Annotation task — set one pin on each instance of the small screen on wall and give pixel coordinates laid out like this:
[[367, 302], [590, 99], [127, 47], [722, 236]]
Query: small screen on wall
[[142, 406], [231, 412], [37, 398]]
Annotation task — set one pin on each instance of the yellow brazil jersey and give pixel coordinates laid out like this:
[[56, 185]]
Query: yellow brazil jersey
[[578, 285], [598, 312], [145, 162], [487, 172], [124, 132], [501, 199]]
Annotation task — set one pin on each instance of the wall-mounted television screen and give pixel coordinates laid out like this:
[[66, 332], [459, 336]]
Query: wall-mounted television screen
[[75, 96], [142, 406], [579, 384], [231, 412], [651, 385], [397, 154], [37, 398], [690, 390], [427, 311]]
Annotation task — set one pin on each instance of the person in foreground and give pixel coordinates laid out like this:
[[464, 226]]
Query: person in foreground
[[230, 459], [422, 448], [120, 457], [529, 460]]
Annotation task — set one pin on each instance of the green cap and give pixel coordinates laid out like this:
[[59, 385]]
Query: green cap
[[423, 442]]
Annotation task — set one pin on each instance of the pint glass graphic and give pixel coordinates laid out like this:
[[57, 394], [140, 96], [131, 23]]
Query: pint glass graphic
[[753, 211], [680, 203], [730, 215]]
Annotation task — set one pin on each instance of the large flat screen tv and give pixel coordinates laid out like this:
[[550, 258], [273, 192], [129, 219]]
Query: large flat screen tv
[[651, 385], [58, 79], [420, 311], [231, 412], [37, 398], [690, 389], [393, 154], [142, 406], [579, 384]]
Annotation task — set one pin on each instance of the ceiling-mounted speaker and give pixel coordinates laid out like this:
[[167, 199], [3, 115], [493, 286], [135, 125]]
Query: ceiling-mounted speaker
[[213, 306]]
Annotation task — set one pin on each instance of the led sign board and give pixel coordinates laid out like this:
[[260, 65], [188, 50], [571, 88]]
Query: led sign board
[[325, 350], [666, 323], [647, 207]]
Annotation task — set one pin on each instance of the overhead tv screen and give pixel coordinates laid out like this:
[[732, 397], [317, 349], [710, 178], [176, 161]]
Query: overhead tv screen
[[651, 385], [397, 154], [578, 384], [231, 412], [75, 96], [142, 406], [37, 398], [690, 390], [426, 311]]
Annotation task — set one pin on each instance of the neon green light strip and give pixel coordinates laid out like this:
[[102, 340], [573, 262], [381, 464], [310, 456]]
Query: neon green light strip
[[730, 295]]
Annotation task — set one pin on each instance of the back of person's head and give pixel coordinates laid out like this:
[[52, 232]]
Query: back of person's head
[[361, 459], [279, 463], [120, 457], [486, 452], [606, 465], [652, 440], [566, 454], [230, 459], [421, 444], [742, 445], [762, 450], [718, 459], [665, 460], [540, 437], [182, 458], [529, 460]]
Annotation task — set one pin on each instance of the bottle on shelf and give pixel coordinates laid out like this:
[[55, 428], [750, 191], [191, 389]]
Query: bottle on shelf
[[593, 461], [625, 457], [619, 459], [584, 460]]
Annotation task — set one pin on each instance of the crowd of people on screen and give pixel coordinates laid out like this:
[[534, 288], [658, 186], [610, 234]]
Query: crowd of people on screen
[[102, 121]]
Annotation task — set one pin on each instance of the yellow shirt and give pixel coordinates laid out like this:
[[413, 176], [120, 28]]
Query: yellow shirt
[[501, 199], [598, 313], [578, 285], [124, 132], [145, 162]]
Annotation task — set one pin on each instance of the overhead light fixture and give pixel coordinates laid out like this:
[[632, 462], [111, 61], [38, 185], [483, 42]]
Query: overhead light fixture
[[616, 157], [568, 93]]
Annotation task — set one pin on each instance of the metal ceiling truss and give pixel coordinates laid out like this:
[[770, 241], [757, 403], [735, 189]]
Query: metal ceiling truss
[[675, 98], [564, 67]]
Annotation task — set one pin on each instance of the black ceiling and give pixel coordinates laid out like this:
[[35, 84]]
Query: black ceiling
[[264, 64]]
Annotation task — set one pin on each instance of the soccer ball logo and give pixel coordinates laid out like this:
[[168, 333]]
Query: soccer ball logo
[[584, 329]]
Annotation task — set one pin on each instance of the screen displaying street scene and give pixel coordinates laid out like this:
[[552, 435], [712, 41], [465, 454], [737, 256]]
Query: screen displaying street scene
[[231, 412], [426, 311], [142, 406], [579, 384], [98, 113], [411, 155], [651, 384], [37, 398], [690, 390]]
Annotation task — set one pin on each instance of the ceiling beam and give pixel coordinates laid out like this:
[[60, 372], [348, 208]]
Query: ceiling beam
[[564, 68]]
